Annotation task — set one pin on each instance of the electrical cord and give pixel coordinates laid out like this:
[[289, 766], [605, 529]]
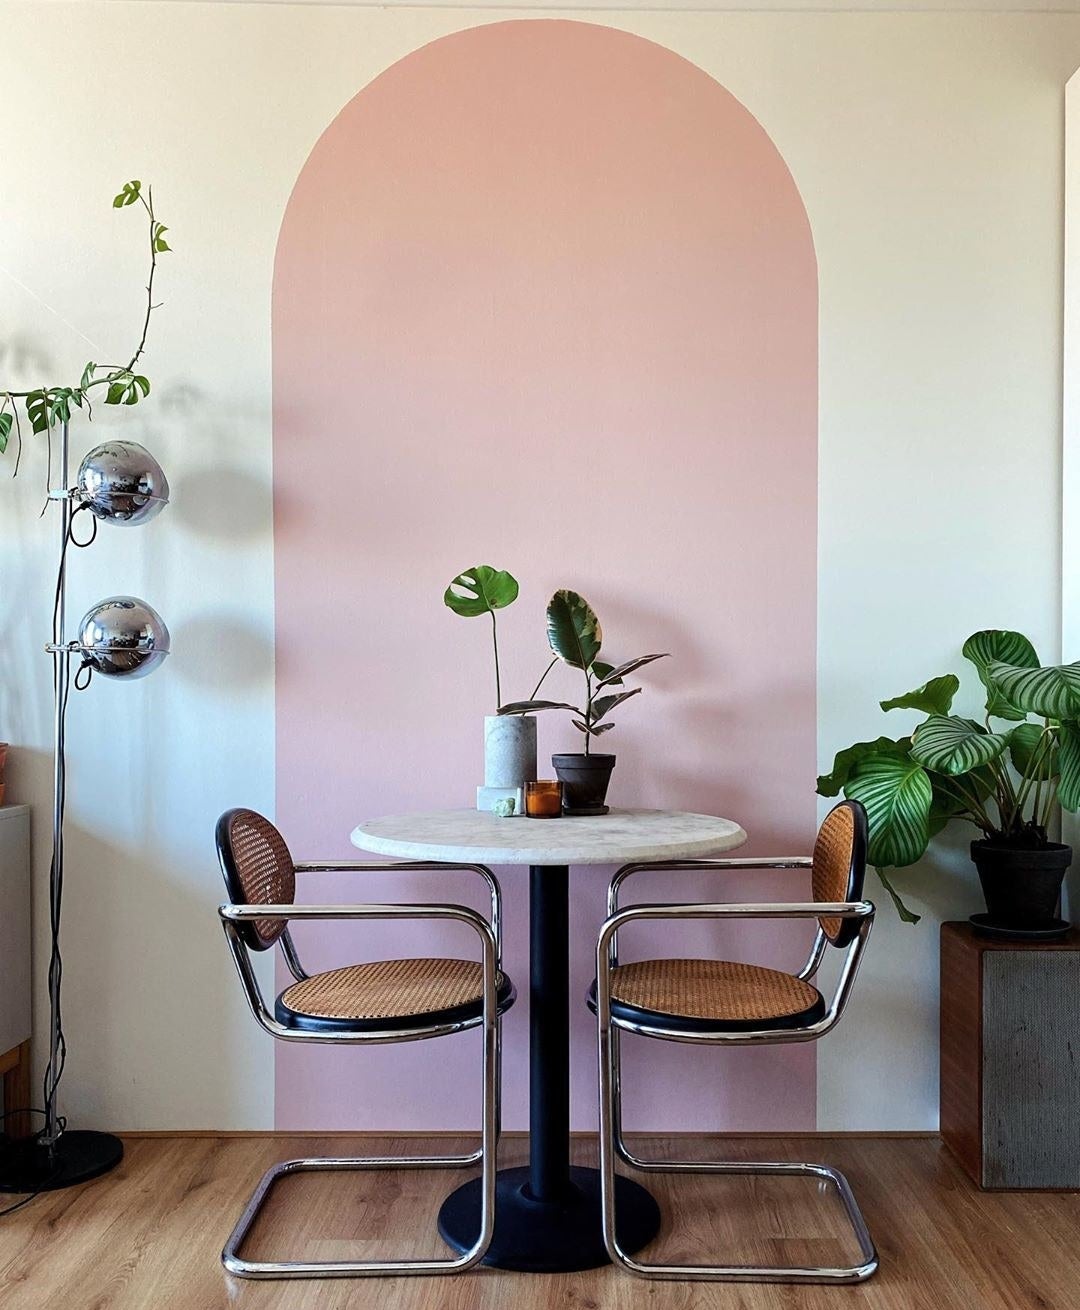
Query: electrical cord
[[54, 1072]]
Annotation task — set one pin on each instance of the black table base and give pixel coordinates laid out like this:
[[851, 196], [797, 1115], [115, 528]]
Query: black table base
[[554, 1236], [547, 1217]]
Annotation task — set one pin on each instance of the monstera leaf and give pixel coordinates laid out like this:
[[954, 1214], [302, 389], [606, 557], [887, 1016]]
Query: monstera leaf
[[832, 784], [997, 645], [948, 744], [1053, 692], [573, 629], [897, 796], [480, 590], [933, 697]]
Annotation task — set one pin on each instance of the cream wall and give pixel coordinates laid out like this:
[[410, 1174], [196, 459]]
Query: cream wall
[[928, 151]]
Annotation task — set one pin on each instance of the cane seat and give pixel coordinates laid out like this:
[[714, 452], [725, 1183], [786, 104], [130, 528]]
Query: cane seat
[[390, 994], [710, 996]]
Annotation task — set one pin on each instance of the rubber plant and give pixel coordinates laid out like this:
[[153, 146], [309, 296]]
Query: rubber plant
[[1006, 778], [48, 406], [575, 637]]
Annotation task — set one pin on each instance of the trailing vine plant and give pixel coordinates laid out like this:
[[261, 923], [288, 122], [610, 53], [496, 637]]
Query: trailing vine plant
[[48, 406]]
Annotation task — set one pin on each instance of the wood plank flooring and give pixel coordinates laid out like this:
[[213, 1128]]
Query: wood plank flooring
[[149, 1234]]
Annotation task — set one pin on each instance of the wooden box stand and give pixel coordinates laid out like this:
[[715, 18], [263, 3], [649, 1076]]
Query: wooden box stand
[[1010, 1058]]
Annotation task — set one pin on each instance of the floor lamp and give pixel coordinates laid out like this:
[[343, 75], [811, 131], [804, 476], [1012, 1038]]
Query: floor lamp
[[121, 637]]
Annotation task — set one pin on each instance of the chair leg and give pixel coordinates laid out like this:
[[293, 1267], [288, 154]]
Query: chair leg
[[612, 1144], [486, 1156]]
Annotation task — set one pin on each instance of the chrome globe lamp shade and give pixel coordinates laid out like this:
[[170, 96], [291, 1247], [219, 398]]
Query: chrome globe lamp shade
[[123, 637], [119, 482]]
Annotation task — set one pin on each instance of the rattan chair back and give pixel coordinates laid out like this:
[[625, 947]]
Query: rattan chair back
[[258, 870], [839, 869]]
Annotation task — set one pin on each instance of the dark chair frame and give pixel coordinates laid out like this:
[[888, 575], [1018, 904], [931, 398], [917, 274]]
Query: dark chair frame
[[236, 920], [860, 915]]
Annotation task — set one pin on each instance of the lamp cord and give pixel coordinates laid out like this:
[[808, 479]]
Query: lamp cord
[[61, 689]]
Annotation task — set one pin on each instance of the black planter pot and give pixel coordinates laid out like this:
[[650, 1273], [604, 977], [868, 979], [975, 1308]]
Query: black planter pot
[[1022, 887], [585, 781]]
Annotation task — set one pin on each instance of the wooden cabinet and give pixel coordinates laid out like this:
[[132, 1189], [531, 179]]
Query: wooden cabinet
[[1010, 1058], [15, 963]]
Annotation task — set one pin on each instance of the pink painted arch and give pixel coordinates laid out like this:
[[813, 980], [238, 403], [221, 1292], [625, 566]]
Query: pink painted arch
[[545, 297]]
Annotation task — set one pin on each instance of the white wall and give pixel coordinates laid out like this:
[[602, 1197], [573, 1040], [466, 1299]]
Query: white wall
[[928, 149]]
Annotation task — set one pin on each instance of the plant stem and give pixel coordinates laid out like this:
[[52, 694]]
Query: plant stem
[[588, 709], [495, 643], [543, 676], [1042, 747], [979, 814]]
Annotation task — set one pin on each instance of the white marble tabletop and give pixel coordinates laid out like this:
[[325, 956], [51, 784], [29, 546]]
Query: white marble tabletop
[[472, 836]]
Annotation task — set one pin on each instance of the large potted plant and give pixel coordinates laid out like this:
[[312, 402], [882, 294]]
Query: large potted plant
[[1007, 779], [575, 637]]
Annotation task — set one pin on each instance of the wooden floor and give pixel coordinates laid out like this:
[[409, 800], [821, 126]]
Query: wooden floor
[[149, 1234]]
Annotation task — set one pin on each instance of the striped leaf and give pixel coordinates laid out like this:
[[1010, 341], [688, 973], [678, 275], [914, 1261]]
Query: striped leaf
[[1069, 756], [897, 797], [951, 798], [1023, 743], [997, 645], [948, 744], [933, 697], [1053, 692], [832, 784]]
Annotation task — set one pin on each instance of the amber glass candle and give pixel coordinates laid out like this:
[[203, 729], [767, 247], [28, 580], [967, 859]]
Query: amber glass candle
[[543, 800]]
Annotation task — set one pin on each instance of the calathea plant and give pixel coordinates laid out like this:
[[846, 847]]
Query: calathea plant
[[575, 637], [1005, 780], [48, 406]]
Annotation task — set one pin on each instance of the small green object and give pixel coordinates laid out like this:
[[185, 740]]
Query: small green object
[[505, 808]]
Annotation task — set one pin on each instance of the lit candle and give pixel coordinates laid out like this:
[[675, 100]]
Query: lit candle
[[543, 800]]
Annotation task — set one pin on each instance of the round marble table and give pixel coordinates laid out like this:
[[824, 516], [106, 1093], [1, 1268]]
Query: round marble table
[[547, 1216]]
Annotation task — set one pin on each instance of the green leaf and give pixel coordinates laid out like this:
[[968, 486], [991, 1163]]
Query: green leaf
[[6, 420], [37, 411], [1053, 692], [998, 645], [160, 244], [603, 705], [115, 393], [897, 795], [599, 728], [1023, 741], [1069, 753], [908, 916], [948, 744], [480, 590], [933, 697], [606, 674], [529, 706], [948, 801], [142, 383], [616, 675], [573, 629], [832, 784], [87, 375], [131, 394], [128, 195]]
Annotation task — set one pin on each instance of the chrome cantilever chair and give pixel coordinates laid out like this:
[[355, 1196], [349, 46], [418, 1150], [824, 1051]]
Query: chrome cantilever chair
[[377, 1002], [721, 1003]]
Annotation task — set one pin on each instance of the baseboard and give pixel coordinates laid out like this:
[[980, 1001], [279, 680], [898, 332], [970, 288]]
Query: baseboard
[[137, 1134]]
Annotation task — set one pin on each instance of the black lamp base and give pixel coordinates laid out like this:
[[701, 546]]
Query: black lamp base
[[28, 1165], [549, 1237]]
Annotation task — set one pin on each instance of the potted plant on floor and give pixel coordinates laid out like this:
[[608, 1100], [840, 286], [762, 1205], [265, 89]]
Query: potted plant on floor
[[575, 636], [1006, 780]]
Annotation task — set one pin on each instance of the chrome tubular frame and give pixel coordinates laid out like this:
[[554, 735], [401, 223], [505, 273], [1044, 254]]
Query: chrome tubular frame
[[609, 1028], [489, 1020]]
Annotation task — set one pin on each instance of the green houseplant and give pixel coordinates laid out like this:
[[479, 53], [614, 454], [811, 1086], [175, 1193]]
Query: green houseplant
[[575, 638], [1006, 778], [509, 743], [48, 406]]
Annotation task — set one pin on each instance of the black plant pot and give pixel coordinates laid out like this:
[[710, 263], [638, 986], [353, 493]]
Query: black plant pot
[[1022, 887], [585, 781]]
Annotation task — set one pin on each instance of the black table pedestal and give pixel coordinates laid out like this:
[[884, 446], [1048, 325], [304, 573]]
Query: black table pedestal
[[547, 1216]]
